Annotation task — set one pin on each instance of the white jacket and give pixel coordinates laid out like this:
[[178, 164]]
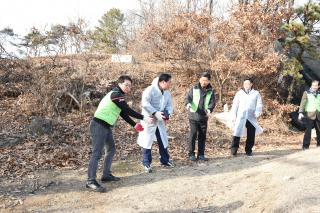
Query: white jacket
[[246, 107], [154, 100]]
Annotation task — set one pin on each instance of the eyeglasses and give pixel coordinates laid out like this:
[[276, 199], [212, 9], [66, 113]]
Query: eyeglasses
[[127, 85]]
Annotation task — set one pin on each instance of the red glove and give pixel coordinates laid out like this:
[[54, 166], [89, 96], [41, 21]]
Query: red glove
[[139, 127]]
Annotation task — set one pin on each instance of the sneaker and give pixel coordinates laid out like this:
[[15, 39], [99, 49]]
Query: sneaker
[[110, 177], [147, 169], [201, 157], [192, 158], [95, 186], [168, 164]]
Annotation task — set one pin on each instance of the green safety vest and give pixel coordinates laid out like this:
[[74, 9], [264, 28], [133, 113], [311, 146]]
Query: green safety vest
[[313, 103], [107, 110], [196, 100]]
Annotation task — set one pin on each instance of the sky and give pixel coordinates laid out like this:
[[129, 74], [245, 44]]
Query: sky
[[22, 15]]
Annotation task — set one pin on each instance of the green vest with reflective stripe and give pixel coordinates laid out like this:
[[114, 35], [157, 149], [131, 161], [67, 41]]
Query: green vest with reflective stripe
[[313, 103], [107, 110], [196, 100]]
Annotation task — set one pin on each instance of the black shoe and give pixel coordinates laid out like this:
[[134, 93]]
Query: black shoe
[[249, 154], [169, 164], [234, 151], [201, 157], [192, 158], [305, 148], [110, 177], [95, 186]]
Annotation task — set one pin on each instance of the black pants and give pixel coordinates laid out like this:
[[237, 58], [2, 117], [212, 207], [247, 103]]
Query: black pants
[[307, 134], [197, 129], [251, 132]]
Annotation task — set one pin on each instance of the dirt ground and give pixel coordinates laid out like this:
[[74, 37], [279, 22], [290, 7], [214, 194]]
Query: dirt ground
[[270, 181]]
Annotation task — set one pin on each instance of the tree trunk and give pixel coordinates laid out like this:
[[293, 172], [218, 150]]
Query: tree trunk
[[210, 7], [290, 95]]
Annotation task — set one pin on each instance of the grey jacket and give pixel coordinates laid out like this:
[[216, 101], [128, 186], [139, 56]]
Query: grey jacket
[[304, 100]]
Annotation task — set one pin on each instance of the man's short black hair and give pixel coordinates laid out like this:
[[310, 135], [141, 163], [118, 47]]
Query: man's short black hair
[[206, 74], [248, 79], [122, 78], [164, 77]]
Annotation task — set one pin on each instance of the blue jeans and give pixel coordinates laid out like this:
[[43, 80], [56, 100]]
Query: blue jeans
[[164, 155]]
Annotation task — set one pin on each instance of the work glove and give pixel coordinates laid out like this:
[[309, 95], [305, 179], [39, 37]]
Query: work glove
[[256, 114], [148, 119], [166, 115], [300, 116], [139, 127], [159, 116], [208, 111], [188, 107]]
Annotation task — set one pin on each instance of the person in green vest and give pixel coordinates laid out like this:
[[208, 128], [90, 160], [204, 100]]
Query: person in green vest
[[309, 112], [110, 108], [200, 102]]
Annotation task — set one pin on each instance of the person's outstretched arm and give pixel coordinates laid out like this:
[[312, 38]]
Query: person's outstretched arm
[[126, 111]]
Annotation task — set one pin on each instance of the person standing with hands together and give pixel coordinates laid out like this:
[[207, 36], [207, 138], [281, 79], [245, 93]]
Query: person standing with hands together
[[246, 108], [200, 102]]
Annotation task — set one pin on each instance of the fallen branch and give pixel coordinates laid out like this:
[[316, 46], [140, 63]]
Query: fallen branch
[[73, 98]]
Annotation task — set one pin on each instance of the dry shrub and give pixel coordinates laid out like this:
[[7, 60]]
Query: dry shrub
[[28, 104]]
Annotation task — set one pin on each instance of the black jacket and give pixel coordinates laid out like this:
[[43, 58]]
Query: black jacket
[[200, 114], [117, 97]]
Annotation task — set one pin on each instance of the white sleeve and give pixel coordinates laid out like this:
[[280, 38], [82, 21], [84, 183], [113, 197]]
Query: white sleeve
[[146, 101], [259, 105], [235, 106]]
